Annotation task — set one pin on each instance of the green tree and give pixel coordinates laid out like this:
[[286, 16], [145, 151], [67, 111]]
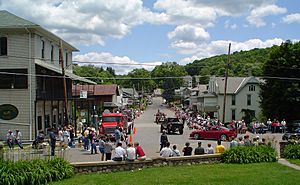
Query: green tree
[[141, 80], [172, 70], [280, 94]]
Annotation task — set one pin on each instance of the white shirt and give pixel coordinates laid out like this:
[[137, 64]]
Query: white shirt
[[166, 152], [120, 152], [283, 123], [131, 153]]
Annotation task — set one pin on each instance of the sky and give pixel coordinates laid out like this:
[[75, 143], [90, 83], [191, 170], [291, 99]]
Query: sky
[[151, 32]]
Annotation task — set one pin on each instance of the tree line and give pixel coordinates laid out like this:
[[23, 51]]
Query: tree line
[[280, 97]]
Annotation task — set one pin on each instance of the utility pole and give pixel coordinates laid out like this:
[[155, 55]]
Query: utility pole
[[61, 59], [225, 87]]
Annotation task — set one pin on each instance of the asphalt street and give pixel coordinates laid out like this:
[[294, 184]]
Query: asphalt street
[[148, 135]]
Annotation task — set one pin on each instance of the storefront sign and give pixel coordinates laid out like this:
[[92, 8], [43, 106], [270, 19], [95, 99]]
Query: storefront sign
[[8, 112]]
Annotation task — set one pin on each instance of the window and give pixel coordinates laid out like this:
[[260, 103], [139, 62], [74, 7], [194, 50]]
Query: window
[[13, 79], [3, 46], [249, 99], [52, 54], [43, 49], [66, 59], [233, 100], [59, 56], [251, 87], [232, 114]]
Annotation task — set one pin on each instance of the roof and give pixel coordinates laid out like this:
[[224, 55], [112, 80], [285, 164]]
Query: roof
[[96, 90], [9, 20], [59, 70], [129, 92], [234, 84]]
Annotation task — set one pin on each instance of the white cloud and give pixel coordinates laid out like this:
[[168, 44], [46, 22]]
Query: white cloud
[[85, 22], [256, 16], [189, 33], [227, 25], [221, 47], [292, 18], [121, 64]]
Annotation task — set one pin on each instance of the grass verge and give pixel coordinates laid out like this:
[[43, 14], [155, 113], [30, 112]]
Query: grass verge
[[242, 174]]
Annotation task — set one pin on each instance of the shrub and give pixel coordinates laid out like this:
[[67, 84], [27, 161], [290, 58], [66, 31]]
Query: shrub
[[245, 155], [292, 151], [34, 172]]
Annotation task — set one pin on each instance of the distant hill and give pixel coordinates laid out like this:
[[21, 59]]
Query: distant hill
[[242, 63]]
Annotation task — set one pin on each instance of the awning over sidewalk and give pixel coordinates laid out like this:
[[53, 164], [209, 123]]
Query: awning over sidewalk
[[58, 70]]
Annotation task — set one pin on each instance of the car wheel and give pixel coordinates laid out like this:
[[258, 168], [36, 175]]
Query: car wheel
[[180, 131], [223, 137], [197, 136]]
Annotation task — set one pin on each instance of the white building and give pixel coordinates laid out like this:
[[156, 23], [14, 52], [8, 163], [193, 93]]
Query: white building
[[242, 93], [31, 81]]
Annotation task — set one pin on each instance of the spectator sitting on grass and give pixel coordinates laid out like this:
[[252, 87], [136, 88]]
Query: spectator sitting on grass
[[247, 140], [175, 151], [241, 142], [233, 142], [199, 150], [220, 148]]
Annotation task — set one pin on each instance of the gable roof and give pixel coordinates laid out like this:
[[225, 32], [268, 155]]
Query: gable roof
[[96, 90], [234, 84], [11, 21]]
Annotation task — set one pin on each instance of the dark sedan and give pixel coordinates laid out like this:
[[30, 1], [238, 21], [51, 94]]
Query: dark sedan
[[292, 135]]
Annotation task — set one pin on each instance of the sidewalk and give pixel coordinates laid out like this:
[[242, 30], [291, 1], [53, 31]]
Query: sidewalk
[[287, 163]]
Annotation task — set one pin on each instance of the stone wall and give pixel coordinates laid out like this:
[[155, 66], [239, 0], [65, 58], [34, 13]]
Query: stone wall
[[282, 145], [115, 166]]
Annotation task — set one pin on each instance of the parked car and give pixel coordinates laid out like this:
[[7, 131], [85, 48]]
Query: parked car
[[221, 133], [172, 125], [292, 125], [292, 135]]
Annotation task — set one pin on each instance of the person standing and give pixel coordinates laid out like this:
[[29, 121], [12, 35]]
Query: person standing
[[52, 142], [19, 138], [117, 135], [163, 140], [102, 148], [10, 139], [93, 141], [107, 149], [187, 150], [199, 150], [283, 125]]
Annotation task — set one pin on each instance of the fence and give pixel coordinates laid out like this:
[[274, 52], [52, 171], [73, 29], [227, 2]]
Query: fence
[[28, 153]]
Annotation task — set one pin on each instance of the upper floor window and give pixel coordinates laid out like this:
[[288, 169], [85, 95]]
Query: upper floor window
[[66, 59], [3, 46], [233, 100], [59, 56], [251, 87], [43, 49], [248, 99], [52, 54]]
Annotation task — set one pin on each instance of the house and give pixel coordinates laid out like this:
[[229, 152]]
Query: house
[[91, 100], [242, 93], [32, 92], [130, 96]]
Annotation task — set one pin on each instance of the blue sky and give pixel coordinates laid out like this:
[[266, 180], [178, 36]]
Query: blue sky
[[155, 31]]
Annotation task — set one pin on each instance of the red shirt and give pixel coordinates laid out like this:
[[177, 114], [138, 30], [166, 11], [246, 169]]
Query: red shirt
[[139, 151]]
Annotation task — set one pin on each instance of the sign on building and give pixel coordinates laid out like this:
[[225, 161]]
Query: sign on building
[[83, 94]]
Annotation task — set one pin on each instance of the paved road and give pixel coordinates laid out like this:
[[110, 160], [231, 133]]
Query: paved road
[[148, 135]]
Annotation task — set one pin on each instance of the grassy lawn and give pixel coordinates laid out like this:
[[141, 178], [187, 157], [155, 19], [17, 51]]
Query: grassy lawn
[[257, 174], [294, 161]]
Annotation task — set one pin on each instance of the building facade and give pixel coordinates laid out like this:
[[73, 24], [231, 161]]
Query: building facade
[[32, 86]]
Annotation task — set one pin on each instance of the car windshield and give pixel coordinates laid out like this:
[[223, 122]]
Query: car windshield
[[224, 128], [173, 120], [111, 119], [297, 130]]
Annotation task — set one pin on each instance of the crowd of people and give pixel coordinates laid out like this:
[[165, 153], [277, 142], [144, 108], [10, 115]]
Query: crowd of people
[[14, 138]]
